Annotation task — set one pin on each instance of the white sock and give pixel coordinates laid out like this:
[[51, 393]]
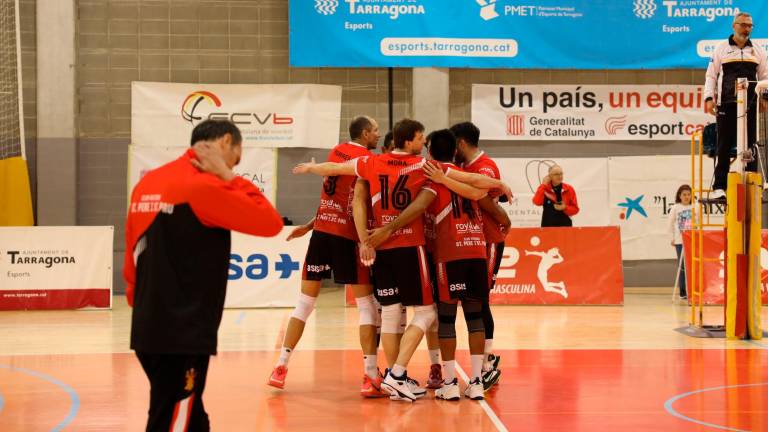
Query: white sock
[[397, 371], [488, 350], [285, 355], [449, 371], [371, 367], [477, 366], [488, 346], [434, 356]]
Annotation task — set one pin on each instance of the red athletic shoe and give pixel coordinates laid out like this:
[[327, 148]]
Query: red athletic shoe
[[372, 387], [278, 377], [435, 380]]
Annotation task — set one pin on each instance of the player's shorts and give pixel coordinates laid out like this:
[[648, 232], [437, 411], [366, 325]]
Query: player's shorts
[[402, 276], [495, 253], [467, 278], [331, 255]]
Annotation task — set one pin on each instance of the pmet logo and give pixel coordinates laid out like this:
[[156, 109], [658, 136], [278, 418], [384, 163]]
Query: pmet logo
[[192, 112]]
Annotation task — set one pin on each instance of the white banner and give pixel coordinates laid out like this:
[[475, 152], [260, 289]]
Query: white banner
[[55, 267], [265, 272], [588, 176], [274, 115], [642, 192], [256, 164], [588, 112]]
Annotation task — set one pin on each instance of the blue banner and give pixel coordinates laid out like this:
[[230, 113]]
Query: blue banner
[[597, 34]]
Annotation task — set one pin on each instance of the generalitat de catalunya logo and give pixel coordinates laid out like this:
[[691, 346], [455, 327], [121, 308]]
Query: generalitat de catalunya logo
[[192, 101]]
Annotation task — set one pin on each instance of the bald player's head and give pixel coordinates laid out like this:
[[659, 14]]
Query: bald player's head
[[555, 175]]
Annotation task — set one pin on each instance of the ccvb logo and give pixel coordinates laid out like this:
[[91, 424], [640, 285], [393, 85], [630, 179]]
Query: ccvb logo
[[326, 7], [194, 99]]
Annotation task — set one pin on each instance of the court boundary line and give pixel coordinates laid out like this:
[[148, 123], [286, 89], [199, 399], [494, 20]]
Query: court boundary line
[[74, 407], [483, 404], [669, 402]]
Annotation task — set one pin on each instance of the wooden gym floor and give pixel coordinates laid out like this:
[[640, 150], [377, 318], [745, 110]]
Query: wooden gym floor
[[588, 368]]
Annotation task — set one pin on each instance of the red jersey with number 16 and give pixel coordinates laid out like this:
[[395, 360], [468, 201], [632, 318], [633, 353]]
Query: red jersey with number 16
[[484, 165], [334, 215], [457, 225], [395, 179]]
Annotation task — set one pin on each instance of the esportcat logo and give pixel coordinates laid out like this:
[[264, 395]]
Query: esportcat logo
[[326, 7], [644, 9]]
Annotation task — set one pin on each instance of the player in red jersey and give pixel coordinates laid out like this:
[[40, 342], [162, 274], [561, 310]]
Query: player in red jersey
[[396, 182], [460, 258], [459, 255], [495, 226], [333, 252]]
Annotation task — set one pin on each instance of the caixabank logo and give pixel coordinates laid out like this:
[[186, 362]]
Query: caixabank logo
[[632, 206]]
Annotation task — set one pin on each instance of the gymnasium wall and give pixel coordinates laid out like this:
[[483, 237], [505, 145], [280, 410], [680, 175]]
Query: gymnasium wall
[[232, 41]]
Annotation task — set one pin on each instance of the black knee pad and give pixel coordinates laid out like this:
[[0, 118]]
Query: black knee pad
[[446, 317], [487, 319], [473, 315]]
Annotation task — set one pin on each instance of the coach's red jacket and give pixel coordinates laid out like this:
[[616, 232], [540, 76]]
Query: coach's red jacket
[[177, 253], [545, 196]]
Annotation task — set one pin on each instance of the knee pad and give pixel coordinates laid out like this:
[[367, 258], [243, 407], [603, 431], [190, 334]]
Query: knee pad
[[423, 317], [446, 315], [367, 310], [433, 327], [390, 318], [304, 309], [473, 315]]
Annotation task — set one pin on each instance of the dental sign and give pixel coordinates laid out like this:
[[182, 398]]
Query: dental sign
[[586, 34]]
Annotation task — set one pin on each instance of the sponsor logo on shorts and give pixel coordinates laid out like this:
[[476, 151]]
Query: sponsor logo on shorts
[[386, 292], [457, 287], [317, 268]]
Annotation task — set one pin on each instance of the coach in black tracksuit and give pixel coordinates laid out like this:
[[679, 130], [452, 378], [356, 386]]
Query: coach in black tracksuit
[[735, 58], [176, 263]]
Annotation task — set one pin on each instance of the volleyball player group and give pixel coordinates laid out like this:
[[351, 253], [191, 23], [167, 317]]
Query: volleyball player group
[[403, 230]]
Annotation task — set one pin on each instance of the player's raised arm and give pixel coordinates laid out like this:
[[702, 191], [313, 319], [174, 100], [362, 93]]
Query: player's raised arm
[[436, 174], [479, 181], [325, 169]]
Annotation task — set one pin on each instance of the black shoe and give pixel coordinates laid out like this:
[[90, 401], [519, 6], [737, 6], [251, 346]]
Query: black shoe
[[490, 378], [494, 360]]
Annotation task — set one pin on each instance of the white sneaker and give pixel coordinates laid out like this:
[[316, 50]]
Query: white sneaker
[[397, 388], [474, 390], [449, 391], [415, 388], [717, 194]]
